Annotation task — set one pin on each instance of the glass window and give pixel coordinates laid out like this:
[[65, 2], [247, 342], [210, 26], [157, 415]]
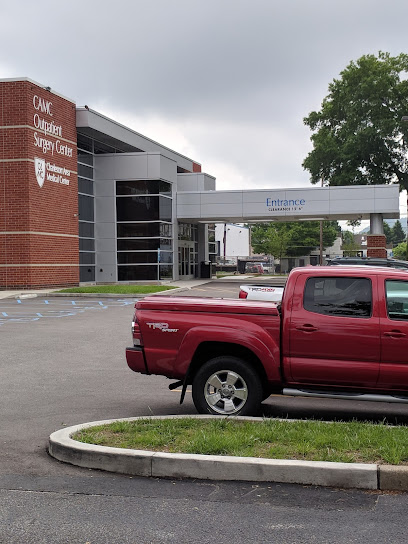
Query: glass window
[[166, 229], [165, 257], [86, 258], [84, 157], [86, 273], [86, 208], [86, 230], [85, 171], [165, 205], [134, 257], [143, 208], [137, 273], [134, 230], [100, 148], [397, 299], [340, 296], [166, 272], [86, 244], [143, 187], [85, 186], [187, 231], [84, 142], [144, 244]]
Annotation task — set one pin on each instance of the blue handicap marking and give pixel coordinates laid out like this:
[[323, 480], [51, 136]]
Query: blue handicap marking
[[61, 308]]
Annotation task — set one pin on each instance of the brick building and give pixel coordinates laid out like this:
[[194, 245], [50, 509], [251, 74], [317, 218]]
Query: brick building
[[86, 199]]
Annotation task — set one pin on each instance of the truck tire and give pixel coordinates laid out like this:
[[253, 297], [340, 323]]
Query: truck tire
[[227, 386]]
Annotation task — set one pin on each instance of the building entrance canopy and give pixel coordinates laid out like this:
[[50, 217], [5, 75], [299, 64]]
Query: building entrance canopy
[[328, 203]]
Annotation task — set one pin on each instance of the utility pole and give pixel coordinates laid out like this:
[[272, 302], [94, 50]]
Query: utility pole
[[321, 237], [405, 119]]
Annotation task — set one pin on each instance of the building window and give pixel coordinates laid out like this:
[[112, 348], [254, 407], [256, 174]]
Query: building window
[[143, 208], [143, 187], [85, 208], [144, 230]]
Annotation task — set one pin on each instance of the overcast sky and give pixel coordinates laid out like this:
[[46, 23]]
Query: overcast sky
[[225, 82]]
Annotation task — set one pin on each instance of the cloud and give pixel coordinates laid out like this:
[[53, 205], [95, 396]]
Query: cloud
[[226, 82]]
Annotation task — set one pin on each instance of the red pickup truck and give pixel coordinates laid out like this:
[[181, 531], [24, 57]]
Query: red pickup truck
[[339, 332]]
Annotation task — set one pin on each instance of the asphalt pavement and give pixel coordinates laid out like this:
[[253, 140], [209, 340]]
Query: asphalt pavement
[[63, 371]]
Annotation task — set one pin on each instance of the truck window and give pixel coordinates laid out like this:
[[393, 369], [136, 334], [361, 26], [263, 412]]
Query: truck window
[[342, 296], [397, 299]]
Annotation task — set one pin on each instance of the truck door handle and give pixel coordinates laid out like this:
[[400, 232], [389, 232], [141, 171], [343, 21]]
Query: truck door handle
[[394, 334], [306, 328]]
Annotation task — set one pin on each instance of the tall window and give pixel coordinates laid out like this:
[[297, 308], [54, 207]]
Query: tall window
[[87, 148], [144, 230], [86, 209]]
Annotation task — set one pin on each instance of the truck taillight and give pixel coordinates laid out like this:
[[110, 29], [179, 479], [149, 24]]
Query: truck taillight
[[243, 294], [136, 334]]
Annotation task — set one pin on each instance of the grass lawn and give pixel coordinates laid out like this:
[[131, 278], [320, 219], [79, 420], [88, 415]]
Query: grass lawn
[[351, 442], [118, 289]]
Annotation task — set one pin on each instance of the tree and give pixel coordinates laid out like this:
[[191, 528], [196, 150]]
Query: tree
[[358, 136], [400, 251], [292, 239], [270, 239], [350, 247], [397, 233], [387, 232]]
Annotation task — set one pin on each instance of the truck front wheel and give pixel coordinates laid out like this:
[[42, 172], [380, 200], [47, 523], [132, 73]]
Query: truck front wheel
[[227, 386]]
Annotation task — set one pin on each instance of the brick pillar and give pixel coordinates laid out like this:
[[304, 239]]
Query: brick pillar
[[376, 245]]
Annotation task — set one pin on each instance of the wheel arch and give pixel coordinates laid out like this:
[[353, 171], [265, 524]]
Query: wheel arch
[[210, 349]]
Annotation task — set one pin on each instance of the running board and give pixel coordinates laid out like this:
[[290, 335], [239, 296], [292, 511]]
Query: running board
[[345, 396]]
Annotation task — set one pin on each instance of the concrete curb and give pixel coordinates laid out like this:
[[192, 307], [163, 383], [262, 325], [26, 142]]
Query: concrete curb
[[93, 295], [115, 295], [43, 293], [215, 467]]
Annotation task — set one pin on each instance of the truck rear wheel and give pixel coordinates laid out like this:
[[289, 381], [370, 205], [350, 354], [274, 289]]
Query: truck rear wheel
[[227, 386]]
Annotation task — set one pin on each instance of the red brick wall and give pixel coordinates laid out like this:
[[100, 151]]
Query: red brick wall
[[376, 245], [35, 250]]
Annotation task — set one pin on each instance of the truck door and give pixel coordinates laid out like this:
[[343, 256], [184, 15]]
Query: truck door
[[334, 332], [394, 334]]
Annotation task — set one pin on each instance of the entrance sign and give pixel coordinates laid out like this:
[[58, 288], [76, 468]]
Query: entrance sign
[[318, 203]]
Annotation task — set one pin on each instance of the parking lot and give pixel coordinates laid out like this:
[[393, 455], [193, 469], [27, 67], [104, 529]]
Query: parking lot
[[62, 363]]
